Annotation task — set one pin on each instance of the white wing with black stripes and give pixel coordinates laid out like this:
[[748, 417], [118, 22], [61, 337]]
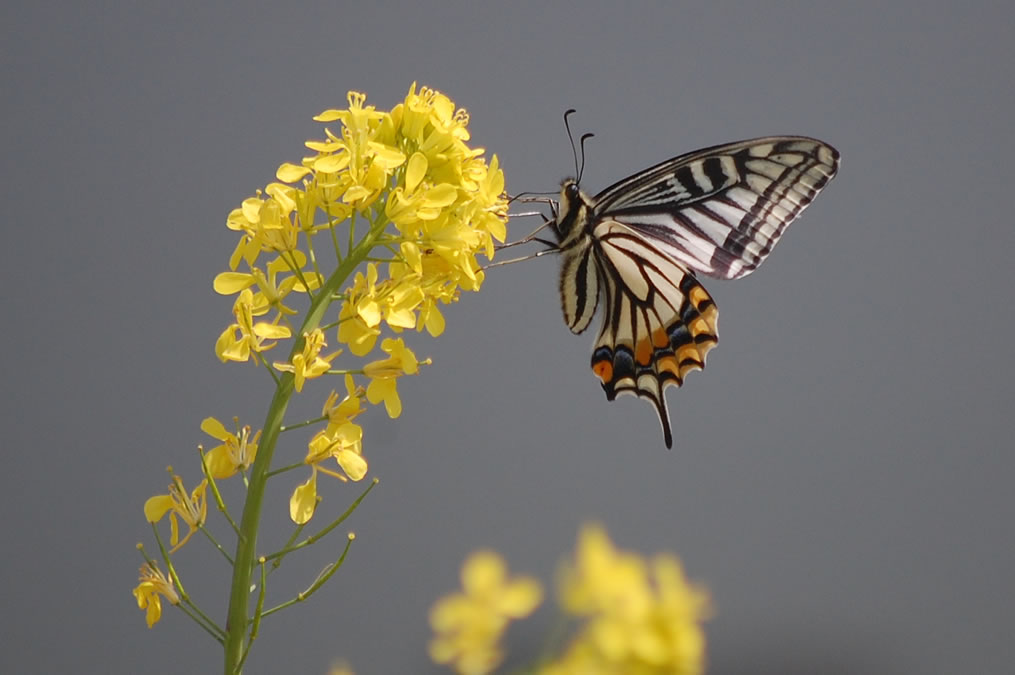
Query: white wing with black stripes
[[721, 210], [635, 247]]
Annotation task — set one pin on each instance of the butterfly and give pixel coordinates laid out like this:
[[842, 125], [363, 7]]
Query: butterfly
[[636, 248]]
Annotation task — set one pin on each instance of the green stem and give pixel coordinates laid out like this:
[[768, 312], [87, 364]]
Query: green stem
[[291, 467], [304, 423], [246, 544], [321, 579]]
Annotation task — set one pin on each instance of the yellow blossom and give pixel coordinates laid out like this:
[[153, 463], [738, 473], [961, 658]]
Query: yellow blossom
[[153, 585], [394, 300], [341, 440], [384, 373], [344, 443], [193, 509], [271, 291], [309, 363], [468, 626], [245, 336], [236, 452], [355, 332]]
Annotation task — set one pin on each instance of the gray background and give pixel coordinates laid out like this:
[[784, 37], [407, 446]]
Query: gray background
[[842, 473]]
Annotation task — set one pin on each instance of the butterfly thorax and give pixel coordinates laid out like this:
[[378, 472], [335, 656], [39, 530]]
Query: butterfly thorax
[[573, 214]]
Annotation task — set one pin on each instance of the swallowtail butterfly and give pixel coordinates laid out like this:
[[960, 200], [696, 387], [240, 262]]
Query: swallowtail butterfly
[[637, 246]]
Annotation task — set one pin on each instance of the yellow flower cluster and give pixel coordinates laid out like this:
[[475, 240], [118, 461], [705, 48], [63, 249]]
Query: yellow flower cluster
[[403, 206], [637, 617], [409, 168], [400, 191]]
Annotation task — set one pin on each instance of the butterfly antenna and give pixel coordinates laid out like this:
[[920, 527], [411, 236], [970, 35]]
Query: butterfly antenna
[[581, 171], [570, 137]]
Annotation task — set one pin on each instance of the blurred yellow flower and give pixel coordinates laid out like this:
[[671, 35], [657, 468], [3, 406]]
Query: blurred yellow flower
[[468, 626], [153, 585], [340, 669], [641, 617]]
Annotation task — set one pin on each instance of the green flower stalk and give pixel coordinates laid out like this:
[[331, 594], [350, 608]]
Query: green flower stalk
[[403, 206]]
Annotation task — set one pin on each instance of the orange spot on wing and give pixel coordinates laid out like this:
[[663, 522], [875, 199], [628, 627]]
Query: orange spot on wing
[[698, 295], [659, 337], [603, 370], [700, 326], [669, 364], [643, 352], [687, 352]]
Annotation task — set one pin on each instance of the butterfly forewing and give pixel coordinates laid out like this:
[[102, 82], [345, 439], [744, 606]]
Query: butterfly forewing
[[721, 210], [717, 211]]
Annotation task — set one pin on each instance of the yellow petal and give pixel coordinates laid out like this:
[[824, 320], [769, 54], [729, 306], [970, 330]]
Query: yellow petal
[[215, 429], [304, 501], [219, 464], [329, 115], [156, 507], [403, 318], [482, 571], [331, 163], [353, 464], [415, 171], [271, 331], [520, 598], [386, 156], [290, 173], [434, 321], [228, 283], [369, 311], [441, 195]]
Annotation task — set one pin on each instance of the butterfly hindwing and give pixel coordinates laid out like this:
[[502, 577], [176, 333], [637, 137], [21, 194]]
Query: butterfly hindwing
[[658, 322]]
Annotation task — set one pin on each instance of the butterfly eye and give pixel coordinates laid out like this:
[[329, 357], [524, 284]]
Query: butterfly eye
[[572, 192]]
